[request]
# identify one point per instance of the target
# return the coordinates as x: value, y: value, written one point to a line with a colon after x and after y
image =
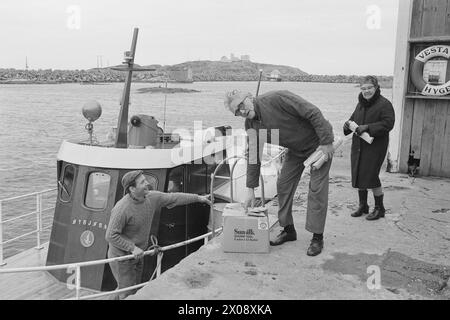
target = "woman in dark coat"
x: 374, y: 114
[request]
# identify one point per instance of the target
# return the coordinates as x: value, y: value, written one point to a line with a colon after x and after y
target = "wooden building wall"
x: 425, y: 133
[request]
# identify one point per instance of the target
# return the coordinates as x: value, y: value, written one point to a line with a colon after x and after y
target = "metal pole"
x: 122, y: 124
x: 231, y: 187
x: 78, y: 282
x: 262, y: 180
x: 231, y: 178
x: 213, y: 233
x: 259, y: 81
x: 38, y: 220
x: 213, y: 175
x: 164, y: 121
x: 2, y: 263
x: 211, y: 208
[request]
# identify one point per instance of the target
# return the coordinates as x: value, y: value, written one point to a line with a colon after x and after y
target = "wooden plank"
x: 414, y: 50
x: 427, y: 137
x: 445, y: 168
x: 29, y: 258
x: 405, y: 143
x: 399, y: 86
x: 430, y: 39
x: 36, y: 285
x: 53, y: 292
x: 416, y: 19
x: 434, y: 18
x: 430, y: 132
x: 417, y: 127
x: 428, y: 17
x: 23, y: 285
x: 11, y: 285
x: 447, y: 20
x: 439, y: 17
x: 40, y: 291
x: 446, y: 31
x: 439, y: 131
x: 411, y: 96
x: 33, y: 285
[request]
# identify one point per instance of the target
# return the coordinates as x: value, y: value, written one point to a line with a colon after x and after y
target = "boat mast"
x: 122, y: 123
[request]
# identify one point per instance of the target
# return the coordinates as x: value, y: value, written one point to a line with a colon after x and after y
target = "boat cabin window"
x: 197, y: 178
x: 66, y: 183
x: 175, y: 180
x: 152, y: 180
x: 97, y: 190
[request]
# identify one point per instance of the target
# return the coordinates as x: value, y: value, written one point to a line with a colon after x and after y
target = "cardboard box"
x: 243, y: 233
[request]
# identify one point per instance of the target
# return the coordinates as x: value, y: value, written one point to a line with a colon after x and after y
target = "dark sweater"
x: 130, y: 221
x: 302, y: 127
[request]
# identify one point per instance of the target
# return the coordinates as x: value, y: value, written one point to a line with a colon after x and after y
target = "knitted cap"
x: 129, y: 177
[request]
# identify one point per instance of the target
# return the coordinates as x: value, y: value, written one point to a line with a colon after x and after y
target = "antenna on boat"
x: 164, y: 118
x: 122, y: 123
x: 259, y: 81
x: 262, y: 180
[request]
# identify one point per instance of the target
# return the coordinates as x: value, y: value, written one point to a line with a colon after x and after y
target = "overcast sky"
x: 317, y: 36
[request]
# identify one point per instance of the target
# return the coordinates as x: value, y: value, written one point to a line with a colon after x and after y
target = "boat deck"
x: 37, y: 285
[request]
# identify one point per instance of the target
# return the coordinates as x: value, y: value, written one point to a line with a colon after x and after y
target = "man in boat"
x: 129, y: 226
x: 302, y: 129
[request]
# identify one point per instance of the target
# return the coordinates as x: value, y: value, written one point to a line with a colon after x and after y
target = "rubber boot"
x: 379, y: 210
x: 363, y: 207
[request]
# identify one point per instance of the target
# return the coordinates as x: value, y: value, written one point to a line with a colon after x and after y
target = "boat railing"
x: 213, y: 176
x: 38, y: 212
x: 78, y: 265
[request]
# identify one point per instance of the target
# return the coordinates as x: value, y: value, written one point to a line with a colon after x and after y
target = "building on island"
x: 180, y: 75
x: 275, y: 75
x: 233, y: 58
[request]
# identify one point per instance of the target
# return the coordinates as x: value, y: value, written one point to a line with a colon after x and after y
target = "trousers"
x: 287, y: 183
x: 127, y: 273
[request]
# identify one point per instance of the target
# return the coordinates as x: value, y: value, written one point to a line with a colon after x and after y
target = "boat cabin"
x: 89, y: 185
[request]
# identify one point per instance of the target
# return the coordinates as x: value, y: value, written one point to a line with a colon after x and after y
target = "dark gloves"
x: 346, y: 128
x: 362, y: 128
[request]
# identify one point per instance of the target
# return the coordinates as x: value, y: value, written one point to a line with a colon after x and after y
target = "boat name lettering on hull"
x: 84, y: 222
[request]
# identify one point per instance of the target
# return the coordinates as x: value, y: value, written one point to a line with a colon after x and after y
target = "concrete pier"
x: 405, y: 255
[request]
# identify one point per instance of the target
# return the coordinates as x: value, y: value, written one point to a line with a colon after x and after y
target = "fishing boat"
x: 73, y: 263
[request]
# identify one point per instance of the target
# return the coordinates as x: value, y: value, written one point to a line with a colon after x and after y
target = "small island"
x: 186, y: 72
x: 165, y: 90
